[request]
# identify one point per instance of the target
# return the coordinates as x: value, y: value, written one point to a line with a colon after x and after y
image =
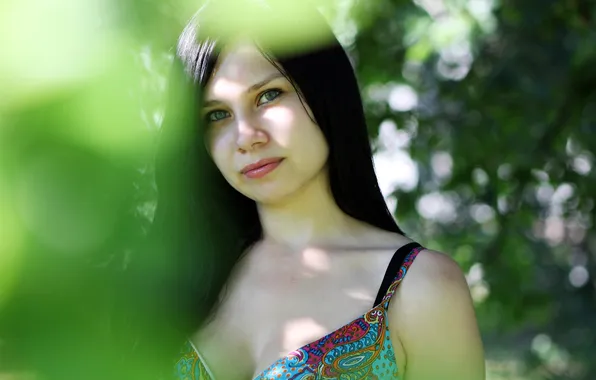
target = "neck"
x: 310, y: 217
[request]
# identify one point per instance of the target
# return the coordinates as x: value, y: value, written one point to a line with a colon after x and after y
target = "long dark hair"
x: 202, y: 223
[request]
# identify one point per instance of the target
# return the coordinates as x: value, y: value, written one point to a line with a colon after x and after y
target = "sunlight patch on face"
x: 316, y: 260
x: 283, y: 119
x: 299, y: 332
x: 224, y: 88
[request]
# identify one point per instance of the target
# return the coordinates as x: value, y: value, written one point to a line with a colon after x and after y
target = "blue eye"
x: 216, y: 115
x: 269, y: 96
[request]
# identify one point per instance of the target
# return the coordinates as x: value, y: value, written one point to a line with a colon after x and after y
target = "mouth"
x: 261, y: 168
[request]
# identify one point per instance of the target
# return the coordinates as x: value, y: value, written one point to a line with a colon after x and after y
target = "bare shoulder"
x: 433, y: 282
x: 433, y: 268
x: 433, y: 315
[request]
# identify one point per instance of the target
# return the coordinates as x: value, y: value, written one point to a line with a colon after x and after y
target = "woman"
x: 298, y: 240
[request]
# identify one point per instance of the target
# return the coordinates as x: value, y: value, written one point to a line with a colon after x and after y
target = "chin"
x: 268, y: 199
x: 270, y: 195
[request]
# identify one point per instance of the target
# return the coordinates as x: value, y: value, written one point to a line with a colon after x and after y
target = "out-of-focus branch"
x: 581, y: 87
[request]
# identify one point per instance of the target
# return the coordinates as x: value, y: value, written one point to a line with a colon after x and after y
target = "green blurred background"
x: 483, y: 118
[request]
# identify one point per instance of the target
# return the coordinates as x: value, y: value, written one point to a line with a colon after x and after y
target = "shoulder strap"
x: 402, y: 258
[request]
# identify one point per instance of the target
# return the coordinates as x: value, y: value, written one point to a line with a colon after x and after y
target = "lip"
x: 262, y: 167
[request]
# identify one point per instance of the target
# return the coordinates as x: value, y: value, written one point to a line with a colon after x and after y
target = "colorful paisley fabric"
x: 361, y: 349
x: 190, y: 366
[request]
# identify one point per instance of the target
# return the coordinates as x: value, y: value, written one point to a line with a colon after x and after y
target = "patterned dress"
x: 361, y: 349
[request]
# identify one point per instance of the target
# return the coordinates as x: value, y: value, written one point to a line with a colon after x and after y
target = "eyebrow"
x: 255, y: 87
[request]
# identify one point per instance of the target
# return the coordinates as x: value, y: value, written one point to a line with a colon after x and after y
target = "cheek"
x: 281, y: 116
x: 317, y: 148
x: 220, y: 151
x: 309, y: 135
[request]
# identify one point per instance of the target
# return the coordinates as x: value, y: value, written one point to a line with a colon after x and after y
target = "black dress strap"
x: 393, y: 269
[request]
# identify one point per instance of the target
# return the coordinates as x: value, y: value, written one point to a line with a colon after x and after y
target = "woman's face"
x: 255, y: 117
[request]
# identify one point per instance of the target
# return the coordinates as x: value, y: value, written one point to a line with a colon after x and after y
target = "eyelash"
x: 277, y: 90
x: 279, y: 93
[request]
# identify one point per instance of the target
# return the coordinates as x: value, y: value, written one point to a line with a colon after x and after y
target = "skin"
x: 321, y: 265
x: 295, y: 204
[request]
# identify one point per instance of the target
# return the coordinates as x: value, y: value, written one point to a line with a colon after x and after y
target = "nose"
x: 250, y: 136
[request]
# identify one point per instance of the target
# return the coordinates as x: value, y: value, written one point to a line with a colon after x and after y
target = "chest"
x: 276, y: 307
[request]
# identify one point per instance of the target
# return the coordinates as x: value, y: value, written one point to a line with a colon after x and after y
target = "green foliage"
x: 508, y: 98
x: 493, y: 101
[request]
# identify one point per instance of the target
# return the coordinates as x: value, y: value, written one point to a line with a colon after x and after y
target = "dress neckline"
x: 401, y: 259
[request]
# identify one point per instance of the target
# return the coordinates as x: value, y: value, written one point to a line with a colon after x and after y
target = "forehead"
x: 241, y: 63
